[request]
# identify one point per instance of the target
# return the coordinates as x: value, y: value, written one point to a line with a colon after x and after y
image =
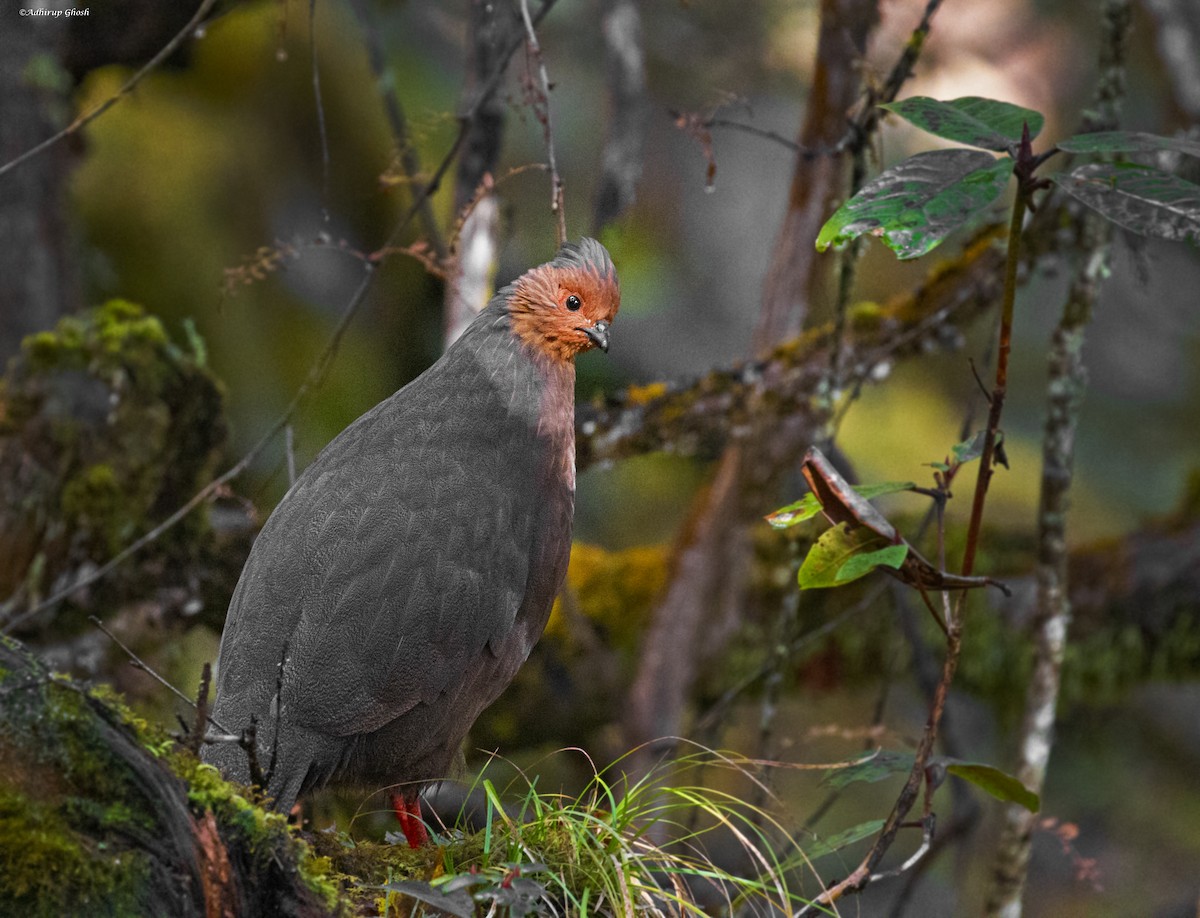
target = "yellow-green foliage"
x: 615, y: 591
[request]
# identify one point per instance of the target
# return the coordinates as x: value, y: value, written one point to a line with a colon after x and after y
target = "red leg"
x: 408, y: 811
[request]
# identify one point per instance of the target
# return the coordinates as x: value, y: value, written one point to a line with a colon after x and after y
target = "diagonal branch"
x: 397, y: 122
x: 126, y: 88
x: 701, y: 416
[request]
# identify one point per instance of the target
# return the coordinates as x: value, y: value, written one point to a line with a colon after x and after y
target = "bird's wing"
x: 401, y: 553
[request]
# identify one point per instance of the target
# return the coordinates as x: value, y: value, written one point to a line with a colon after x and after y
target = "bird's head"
x: 564, y: 307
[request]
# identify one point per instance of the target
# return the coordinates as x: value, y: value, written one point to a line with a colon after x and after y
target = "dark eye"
x: 573, y: 302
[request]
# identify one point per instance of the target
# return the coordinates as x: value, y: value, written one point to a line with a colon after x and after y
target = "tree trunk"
x: 38, y: 280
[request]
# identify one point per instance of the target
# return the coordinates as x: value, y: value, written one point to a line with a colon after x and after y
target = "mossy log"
x: 100, y: 815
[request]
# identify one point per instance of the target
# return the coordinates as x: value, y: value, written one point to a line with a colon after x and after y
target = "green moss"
x: 48, y: 869
x: 116, y: 331
x: 67, y: 806
x: 152, y: 737
x: 248, y: 825
x: 107, y: 425
x: 94, y: 497
x: 69, y: 798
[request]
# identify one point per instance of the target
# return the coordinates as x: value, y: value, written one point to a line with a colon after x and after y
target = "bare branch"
x: 541, y: 108
x: 126, y: 88
x: 701, y: 416
x: 141, y: 664
x: 397, y: 122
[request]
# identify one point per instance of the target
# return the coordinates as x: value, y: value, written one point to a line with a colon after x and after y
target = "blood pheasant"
x: 404, y: 578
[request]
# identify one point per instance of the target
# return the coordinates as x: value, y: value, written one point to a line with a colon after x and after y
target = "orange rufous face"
x: 561, y: 312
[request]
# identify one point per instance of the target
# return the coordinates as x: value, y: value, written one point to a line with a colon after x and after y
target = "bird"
x: 404, y: 578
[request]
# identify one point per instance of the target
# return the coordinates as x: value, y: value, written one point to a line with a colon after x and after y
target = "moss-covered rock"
x: 106, y: 427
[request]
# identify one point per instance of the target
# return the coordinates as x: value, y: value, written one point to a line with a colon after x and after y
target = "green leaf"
x: 969, y: 449
x: 861, y: 565
x: 883, y: 764
x: 1141, y: 199
x: 808, y: 506
x: 886, y: 487
x: 819, y: 847
x: 972, y: 120
x: 804, y: 509
x: 831, y: 552
x: 915, y: 205
x: 1127, y: 142
x: 999, y: 784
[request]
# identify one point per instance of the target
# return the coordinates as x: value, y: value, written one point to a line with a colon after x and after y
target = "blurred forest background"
x: 243, y: 192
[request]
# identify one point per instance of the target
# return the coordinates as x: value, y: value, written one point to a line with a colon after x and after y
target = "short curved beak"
x: 597, y: 334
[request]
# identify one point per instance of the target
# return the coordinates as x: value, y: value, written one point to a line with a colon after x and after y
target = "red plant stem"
x: 1001, y: 387
x: 865, y: 872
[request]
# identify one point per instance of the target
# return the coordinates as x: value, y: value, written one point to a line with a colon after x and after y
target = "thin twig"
x: 865, y: 872
x: 141, y: 664
x: 543, y: 115
x: 1000, y: 390
x: 321, y: 129
x: 765, y: 134
x: 397, y: 122
x: 860, y: 128
x: 200, y: 725
x: 126, y: 88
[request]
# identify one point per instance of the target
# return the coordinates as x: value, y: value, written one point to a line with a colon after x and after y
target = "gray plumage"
x: 406, y: 575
